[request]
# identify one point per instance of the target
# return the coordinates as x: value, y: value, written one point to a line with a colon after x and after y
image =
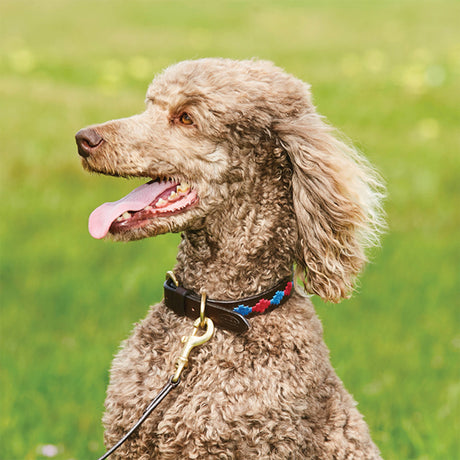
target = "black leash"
x: 152, y: 406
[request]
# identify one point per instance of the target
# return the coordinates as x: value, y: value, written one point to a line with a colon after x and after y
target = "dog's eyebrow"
x: 157, y: 101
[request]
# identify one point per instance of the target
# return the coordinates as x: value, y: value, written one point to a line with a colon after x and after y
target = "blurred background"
x: 384, y: 72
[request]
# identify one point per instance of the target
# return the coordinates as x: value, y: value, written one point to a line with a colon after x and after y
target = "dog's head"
x: 210, y: 127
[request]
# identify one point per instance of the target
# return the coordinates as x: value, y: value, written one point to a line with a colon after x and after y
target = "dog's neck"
x: 243, y: 249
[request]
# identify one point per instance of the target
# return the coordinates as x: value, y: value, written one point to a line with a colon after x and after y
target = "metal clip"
x: 191, y: 342
x: 202, y: 309
x: 171, y: 276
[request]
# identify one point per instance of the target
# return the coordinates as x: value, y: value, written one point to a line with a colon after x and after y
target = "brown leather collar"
x: 187, y: 303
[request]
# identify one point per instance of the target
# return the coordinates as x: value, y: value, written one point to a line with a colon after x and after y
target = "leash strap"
x: 151, y: 407
x: 190, y: 342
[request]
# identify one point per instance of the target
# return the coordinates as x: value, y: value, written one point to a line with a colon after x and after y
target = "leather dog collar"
x: 227, y: 314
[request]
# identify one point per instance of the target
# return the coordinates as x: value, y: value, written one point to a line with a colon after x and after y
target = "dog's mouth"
x: 152, y: 200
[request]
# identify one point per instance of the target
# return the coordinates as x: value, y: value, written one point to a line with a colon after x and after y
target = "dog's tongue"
x: 102, y: 217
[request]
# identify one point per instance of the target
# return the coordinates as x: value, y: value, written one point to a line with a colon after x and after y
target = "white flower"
x: 49, y: 450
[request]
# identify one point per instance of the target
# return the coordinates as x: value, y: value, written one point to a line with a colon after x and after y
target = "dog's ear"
x: 337, y: 201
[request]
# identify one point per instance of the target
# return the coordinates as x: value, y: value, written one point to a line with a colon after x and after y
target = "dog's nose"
x: 87, y: 140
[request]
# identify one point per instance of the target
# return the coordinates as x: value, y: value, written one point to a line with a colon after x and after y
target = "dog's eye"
x: 185, y: 119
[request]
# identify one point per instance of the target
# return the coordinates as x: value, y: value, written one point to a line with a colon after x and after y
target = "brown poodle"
x: 242, y: 165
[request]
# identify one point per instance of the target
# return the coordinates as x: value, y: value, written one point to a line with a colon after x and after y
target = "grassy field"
x: 385, y: 72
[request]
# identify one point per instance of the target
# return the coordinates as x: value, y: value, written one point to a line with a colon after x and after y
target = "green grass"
x: 385, y: 72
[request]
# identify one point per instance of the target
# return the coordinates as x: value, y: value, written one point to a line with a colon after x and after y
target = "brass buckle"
x: 191, y: 342
x: 202, y: 309
x: 171, y: 276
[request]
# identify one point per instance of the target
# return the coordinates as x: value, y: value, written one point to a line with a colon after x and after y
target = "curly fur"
x: 277, y: 187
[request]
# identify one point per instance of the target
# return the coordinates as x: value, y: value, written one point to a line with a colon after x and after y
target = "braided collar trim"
x: 264, y: 304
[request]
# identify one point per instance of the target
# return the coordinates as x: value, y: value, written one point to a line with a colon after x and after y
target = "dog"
x: 238, y: 161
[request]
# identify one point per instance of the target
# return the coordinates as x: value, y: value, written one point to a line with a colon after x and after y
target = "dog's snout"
x: 87, y: 140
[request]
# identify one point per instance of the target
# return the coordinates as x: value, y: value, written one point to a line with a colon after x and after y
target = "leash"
x: 190, y: 342
x: 166, y: 389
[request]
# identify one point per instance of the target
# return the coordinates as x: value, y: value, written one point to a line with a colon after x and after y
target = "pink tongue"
x: 102, y: 217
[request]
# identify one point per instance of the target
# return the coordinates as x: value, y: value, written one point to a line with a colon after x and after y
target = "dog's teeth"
x: 119, y: 219
x: 173, y: 197
x: 183, y: 188
x: 126, y: 215
x: 148, y: 208
x: 161, y: 203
